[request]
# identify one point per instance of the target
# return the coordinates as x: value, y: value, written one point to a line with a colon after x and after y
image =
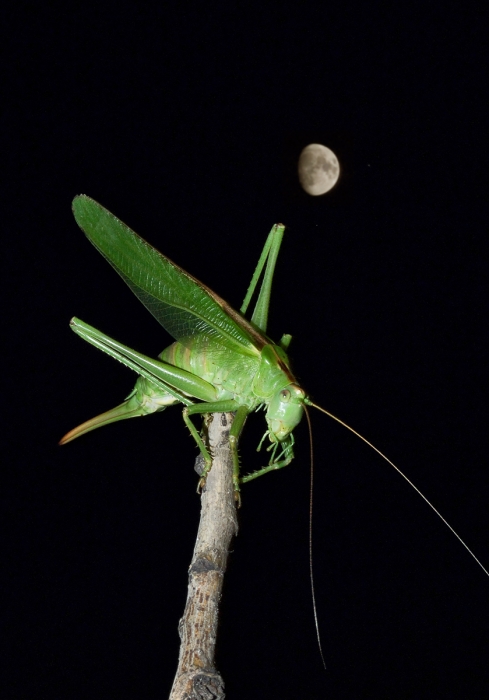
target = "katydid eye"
x: 285, y: 394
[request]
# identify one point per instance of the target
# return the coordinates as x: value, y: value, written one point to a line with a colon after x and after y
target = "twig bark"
x: 197, y: 677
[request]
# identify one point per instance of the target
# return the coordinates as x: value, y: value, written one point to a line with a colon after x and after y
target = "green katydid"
x: 219, y: 357
x: 224, y: 361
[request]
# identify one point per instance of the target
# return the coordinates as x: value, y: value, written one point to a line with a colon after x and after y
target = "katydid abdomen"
x: 231, y: 375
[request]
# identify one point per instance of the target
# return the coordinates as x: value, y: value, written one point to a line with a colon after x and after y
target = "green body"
x: 220, y: 362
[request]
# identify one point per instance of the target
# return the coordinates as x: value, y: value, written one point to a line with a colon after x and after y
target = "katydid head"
x: 285, y: 412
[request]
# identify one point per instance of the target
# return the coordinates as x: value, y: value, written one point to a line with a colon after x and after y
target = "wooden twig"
x: 197, y: 677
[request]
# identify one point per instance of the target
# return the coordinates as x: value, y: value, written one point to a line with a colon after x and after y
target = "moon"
x: 319, y: 169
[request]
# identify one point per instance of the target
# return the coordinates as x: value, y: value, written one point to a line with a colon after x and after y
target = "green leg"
x: 201, y: 445
x: 289, y: 456
x: 269, y: 256
x: 218, y: 407
x: 234, y: 433
x: 178, y: 382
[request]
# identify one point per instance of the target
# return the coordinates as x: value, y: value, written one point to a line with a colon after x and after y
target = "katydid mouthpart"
x: 220, y: 361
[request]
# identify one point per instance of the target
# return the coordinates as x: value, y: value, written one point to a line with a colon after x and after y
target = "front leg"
x: 229, y: 406
x: 287, y: 454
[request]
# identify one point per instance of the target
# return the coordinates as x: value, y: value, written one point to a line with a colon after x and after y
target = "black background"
x: 186, y: 120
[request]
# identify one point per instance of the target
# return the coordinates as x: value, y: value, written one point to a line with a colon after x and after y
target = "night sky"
x: 186, y: 120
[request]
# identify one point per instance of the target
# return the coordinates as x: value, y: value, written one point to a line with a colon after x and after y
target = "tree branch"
x: 197, y: 677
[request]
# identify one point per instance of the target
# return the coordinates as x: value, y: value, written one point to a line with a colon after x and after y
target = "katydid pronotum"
x: 224, y: 361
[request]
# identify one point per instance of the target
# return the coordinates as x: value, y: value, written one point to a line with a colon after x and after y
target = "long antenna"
x: 311, y: 575
x: 345, y: 425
